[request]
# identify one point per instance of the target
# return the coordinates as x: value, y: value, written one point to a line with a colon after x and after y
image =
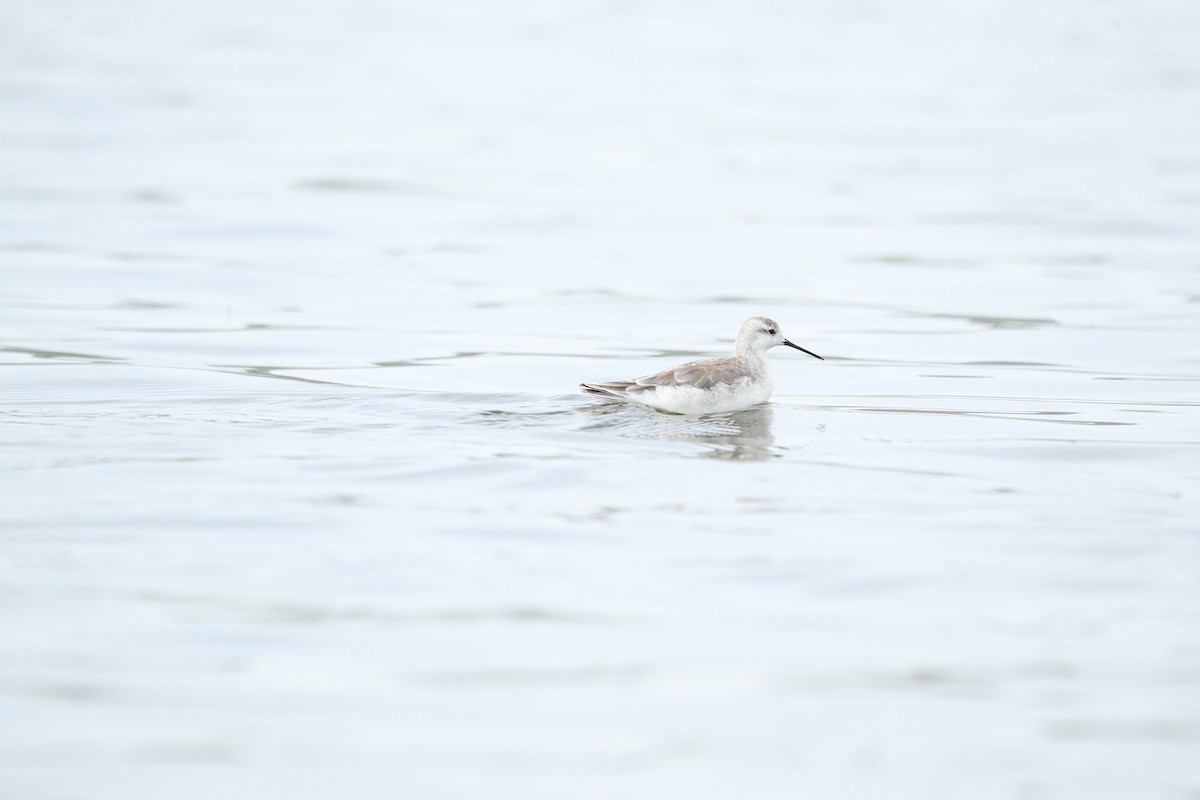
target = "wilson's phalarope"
x: 711, y: 385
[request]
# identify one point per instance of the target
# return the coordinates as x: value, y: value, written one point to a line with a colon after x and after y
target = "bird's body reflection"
x: 751, y: 437
x: 736, y: 436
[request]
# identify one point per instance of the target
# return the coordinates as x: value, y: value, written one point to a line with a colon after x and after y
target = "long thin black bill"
x: 801, y: 349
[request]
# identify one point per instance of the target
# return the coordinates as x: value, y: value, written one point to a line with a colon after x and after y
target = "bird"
x: 710, y: 385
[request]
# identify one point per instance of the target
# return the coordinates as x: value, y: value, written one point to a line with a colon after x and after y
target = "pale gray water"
x: 299, y: 499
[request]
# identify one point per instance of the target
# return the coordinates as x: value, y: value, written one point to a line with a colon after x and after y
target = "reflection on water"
x: 736, y: 436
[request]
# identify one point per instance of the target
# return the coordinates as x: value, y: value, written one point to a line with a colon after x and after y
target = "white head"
x: 760, y: 334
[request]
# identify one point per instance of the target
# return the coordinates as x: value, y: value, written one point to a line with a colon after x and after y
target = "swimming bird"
x: 710, y: 385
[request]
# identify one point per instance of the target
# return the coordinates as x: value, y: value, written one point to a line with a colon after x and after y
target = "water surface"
x: 300, y: 499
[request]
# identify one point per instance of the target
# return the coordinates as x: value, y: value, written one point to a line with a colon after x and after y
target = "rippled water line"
x: 1015, y: 399
x: 1024, y: 416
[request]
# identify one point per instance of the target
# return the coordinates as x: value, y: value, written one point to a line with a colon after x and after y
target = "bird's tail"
x: 609, y: 391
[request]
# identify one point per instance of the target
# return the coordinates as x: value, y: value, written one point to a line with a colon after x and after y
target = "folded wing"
x: 703, y: 374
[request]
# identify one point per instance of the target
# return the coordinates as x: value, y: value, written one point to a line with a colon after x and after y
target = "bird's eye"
x: 771, y: 331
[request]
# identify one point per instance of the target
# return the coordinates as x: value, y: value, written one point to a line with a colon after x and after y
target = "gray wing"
x: 703, y: 374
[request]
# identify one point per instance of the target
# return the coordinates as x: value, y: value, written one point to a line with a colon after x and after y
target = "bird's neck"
x: 748, y: 353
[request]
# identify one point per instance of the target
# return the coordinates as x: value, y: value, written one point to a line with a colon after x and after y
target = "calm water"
x: 299, y: 499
